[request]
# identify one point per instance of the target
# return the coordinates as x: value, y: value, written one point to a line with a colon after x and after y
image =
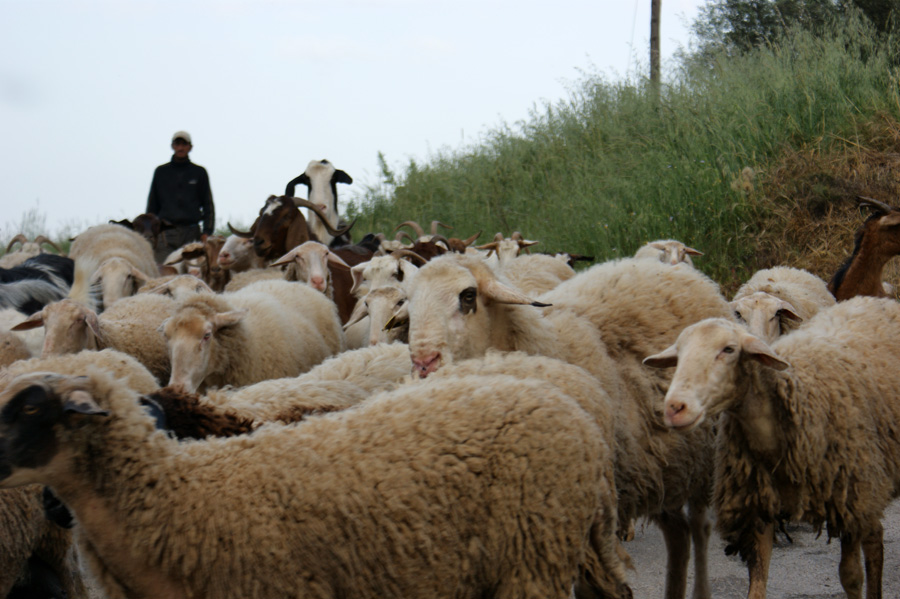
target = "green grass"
x: 610, y: 167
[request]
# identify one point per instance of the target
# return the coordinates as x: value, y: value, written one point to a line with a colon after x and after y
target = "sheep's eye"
x: 30, y: 410
x: 728, y: 349
x: 467, y: 299
x: 738, y: 316
x: 207, y: 336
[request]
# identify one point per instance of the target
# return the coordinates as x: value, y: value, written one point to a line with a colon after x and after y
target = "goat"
x: 876, y: 242
x: 322, y: 178
x: 28, y: 249
x: 149, y: 226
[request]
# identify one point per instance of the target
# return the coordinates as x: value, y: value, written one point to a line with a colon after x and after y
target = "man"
x: 180, y: 194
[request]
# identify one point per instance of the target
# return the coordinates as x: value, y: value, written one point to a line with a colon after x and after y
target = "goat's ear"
x: 124, y: 222
x: 32, y: 322
x: 890, y: 219
x: 302, y: 179
x: 756, y: 349
x: 165, y: 225
x: 229, y: 319
x: 340, y: 176
x: 668, y: 358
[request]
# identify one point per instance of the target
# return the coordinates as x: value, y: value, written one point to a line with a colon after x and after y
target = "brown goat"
x: 281, y: 227
x: 876, y: 242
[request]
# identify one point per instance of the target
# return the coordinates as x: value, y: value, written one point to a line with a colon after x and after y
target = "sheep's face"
x: 709, y: 376
x: 386, y: 322
x: 764, y: 315
x: 453, y: 312
x: 117, y: 278
x: 69, y: 327
x: 191, y: 341
x: 34, y: 408
x: 237, y: 254
x: 181, y: 288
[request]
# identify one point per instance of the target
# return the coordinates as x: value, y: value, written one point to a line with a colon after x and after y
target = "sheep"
x: 36, y: 282
x: 389, y: 269
x: 808, y: 429
x: 111, y: 262
x: 29, y: 249
x: 266, y: 330
x: 28, y: 537
x: 503, y: 249
x: 668, y: 251
x: 178, y: 287
x: 376, y: 315
x: 243, y: 279
x: 536, y: 274
x: 280, y: 512
x: 603, y: 320
x: 237, y: 255
x: 12, y: 348
x: 34, y: 339
x: 321, y: 178
x: 774, y: 300
x: 130, y: 326
x: 205, y: 255
x: 876, y: 242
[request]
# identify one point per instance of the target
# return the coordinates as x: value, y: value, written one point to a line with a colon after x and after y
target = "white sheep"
x: 808, y: 429
x: 269, y: 329
x: 668, y: 251
x: 535, y: 274
x: 774, y: 300
x: 374, y: 318
x: 34, y: 339
x: 280, y: 512
x: 112, y: 260
x: 178, y: 287
x: 237, y: 255
x: 602, y: 320
x: 130, y: 325
x: 316, y: 265
x: 12, y: 348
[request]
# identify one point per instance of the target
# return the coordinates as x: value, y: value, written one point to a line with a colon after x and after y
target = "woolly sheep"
x: 34, y: 339
x: 248, y: 277
x: 12, y: 348
x: 411, y: 471
x: 319, y: 267
x: 24, y: 528
x: 376, y: 317
x: 808, y: 429
x: 237, y: 255
x: 178, y: 287
x: 535, y: 274
x: 668, y: 251
x: 269, y: 329
x: 112, y: 258
x: 130, y: 325
x: 603, y: 321
x: 774, y: 300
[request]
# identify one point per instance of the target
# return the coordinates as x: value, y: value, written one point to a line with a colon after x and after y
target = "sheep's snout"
x: 425, y: 366
x: 317, y: 283
x: 677, y: 415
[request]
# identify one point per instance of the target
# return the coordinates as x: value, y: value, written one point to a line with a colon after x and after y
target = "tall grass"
x: 612, y: 166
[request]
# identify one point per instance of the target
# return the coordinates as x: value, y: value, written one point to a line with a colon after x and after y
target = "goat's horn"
x: 401, y: 253
x: 488, y: 246
x: 435, y: 224
x: 242, y: 234
x: 300, y: 202
x: 20, y: 238
x: 875, y: 203
x: 40, y: 239
x: 471, y: 239
x: 516, y: 236
x: 436, y: 238
x: 403, y: 234
x: 415, y: 226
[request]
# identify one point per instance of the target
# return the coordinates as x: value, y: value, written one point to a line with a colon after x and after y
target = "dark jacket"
x: 180, y: 194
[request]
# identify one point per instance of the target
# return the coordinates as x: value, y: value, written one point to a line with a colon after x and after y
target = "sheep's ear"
x: 356, y: 273
x: 360, y: 311
x: 668, y: 358
x: 80, y: 402
x: 787, y: 312
x: 90, y: 319
x: 139, y: 277
x: 756, y: 349
x: 340, y: 176
x: 692, y: 251
x: 229, y: 319
x: 335, y: 259
x: 32, y: 322
x: 504, y: 294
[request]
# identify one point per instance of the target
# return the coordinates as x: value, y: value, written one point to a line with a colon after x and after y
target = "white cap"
x: 183, y: 135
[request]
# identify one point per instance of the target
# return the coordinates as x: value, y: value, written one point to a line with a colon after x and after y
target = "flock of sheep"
x: 285, y: 414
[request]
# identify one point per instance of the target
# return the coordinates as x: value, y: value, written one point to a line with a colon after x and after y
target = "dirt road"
x: 807, y: 569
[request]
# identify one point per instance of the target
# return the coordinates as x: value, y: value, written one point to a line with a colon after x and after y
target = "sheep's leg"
x: 700, y: 530
x: 873, y: 550
x: 676, y: 533
x: 758, y: 560
x: 851, y: 567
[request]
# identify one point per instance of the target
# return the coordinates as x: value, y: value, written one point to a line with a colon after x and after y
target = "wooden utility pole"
x: 655, y: 7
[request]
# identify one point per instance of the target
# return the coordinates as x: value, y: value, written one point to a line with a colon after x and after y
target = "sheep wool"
x: 406, y: 495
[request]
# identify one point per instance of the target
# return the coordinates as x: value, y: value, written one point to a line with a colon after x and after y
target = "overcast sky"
x: 91, y: 91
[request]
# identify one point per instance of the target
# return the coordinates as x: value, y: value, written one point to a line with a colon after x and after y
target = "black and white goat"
x: 322, y: 178
x: 38, y: 281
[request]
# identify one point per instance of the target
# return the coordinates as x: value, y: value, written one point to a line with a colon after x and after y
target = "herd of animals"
x: 424, y: 417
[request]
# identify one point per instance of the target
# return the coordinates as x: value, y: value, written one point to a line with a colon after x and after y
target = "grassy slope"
x: 610, y: 168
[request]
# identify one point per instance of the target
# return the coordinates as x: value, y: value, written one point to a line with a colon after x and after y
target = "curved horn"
x: 864, y: 201
x: 300, y: 202
x: 399, y: 236
x: 435, y: 224
x: 435, y: 238
x: 20, y: 238
x: 516, y: 236
x: 40, y: 239
x: 415, y: 227
x: 492, y: 246
x: 401, y: 253
x: 241, y: 234
x: 471, y: 240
